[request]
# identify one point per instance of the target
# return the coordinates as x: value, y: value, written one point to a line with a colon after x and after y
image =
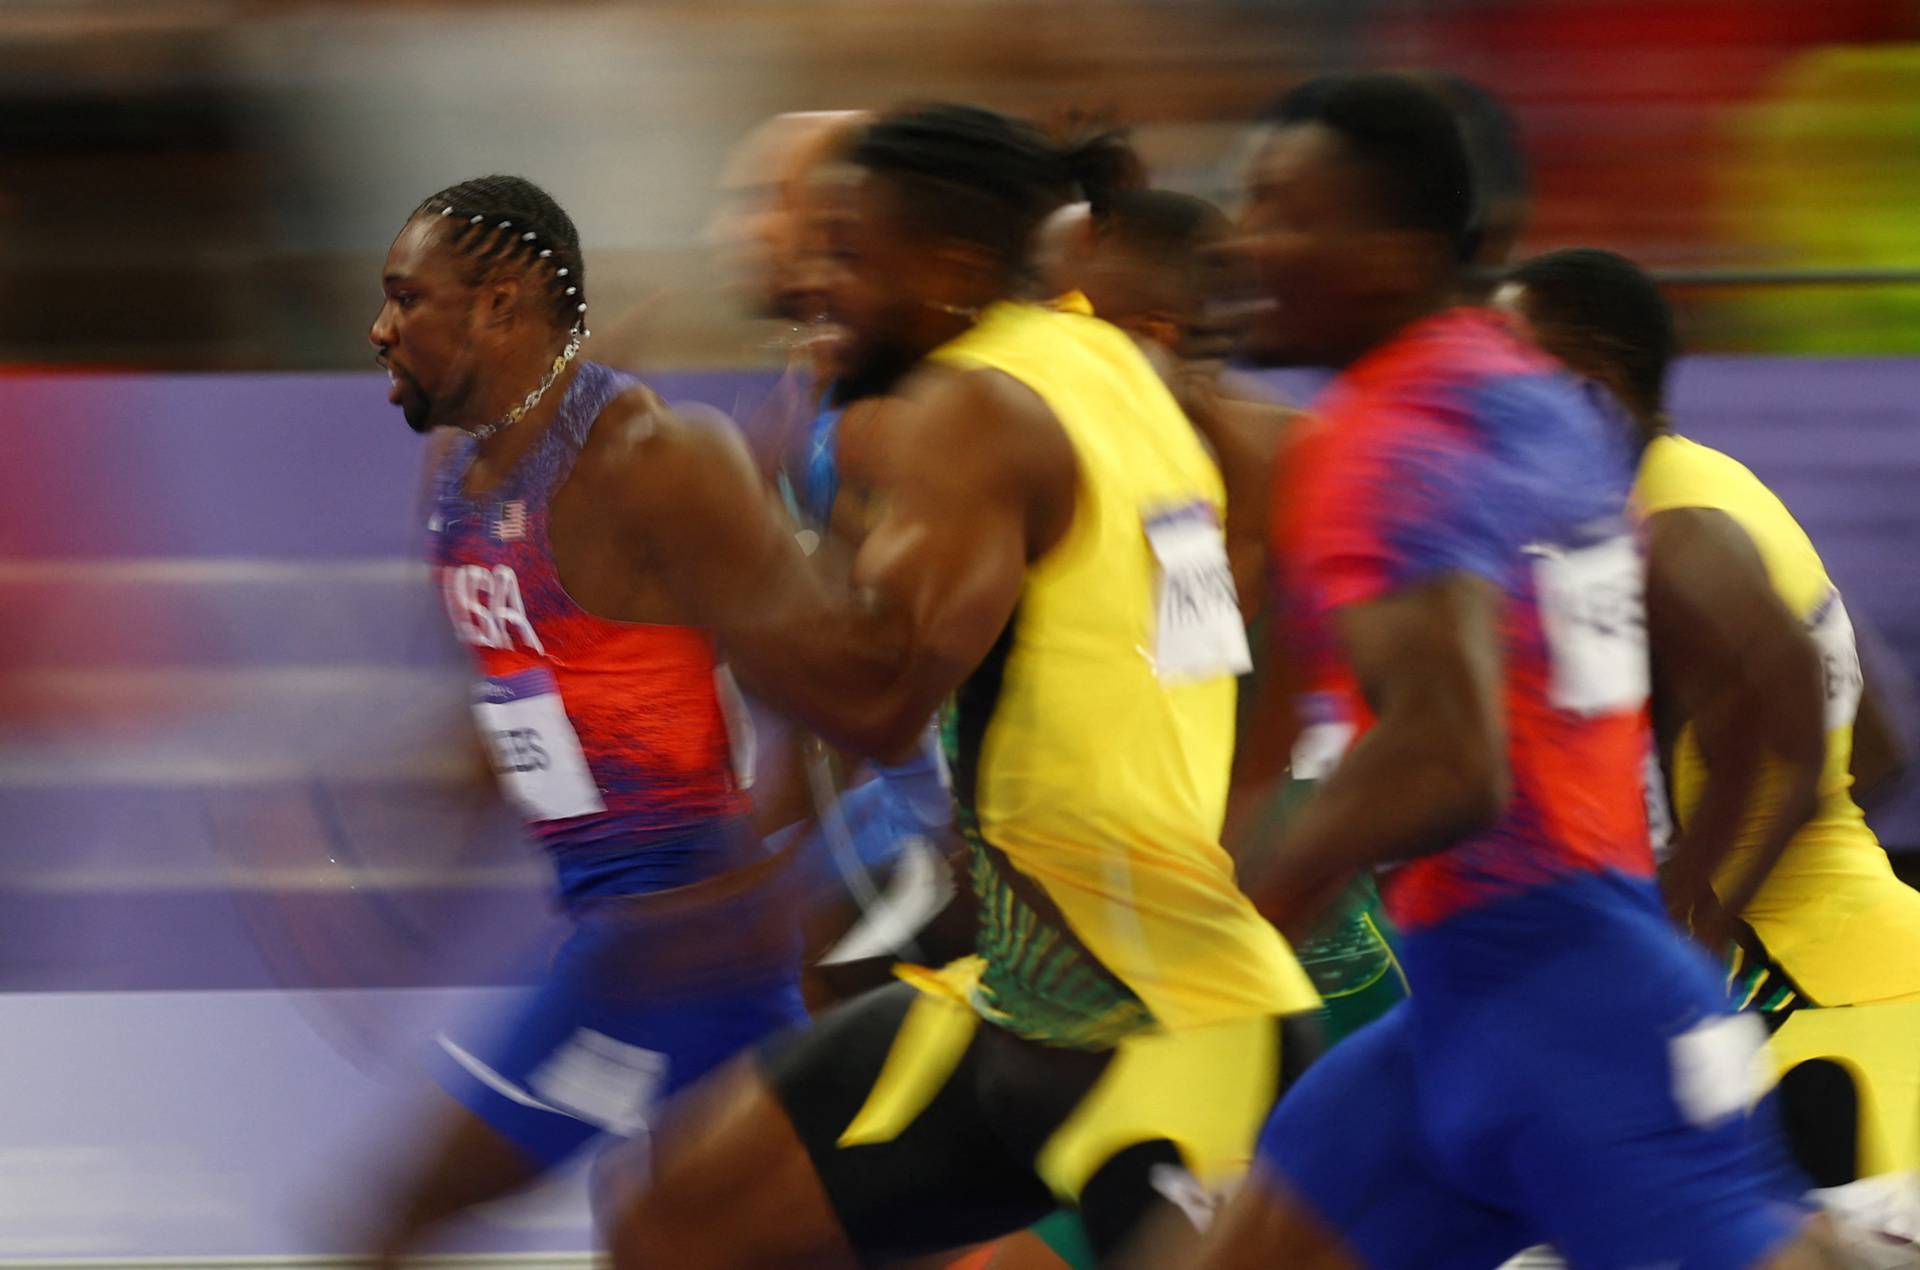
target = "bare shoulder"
x: 643, y: 449
x: 975, y: 439
x: 985, y: 421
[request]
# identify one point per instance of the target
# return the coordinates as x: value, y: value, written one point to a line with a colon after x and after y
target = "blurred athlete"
x: 1453, y: 546
x: 605, y: 707
x: 825, y: 449
x: 1153, y: 262
x: 1050, y: 550
x: 1806, y: 895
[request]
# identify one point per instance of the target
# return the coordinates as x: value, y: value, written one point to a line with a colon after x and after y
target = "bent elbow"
x: 881, y: 732
x: 1479, y: 782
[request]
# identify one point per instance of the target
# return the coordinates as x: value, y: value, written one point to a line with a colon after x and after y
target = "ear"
x: 963, y: 272
x: 500, y: 300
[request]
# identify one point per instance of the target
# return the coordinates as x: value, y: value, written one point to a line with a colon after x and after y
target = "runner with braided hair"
x: 556, y: 519
x: 1049, y: 555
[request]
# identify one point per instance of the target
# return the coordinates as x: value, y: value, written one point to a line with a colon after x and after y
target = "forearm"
x: 839, y: 668
x: 1762, y: 783
x: 1397, y: 795
x: 1763, y: 750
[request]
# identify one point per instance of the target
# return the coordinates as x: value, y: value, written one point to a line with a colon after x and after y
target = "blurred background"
x: 246, y: 863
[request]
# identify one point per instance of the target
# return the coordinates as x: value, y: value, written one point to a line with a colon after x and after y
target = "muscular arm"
x: 1432, y: 769
x: 983, y: 483
x: 1263, y: 756
x: 1729, y: 659
x: 981, y: 468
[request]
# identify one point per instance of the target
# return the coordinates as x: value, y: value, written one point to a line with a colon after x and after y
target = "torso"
x: 1095, y: 741
x: 1456, y: 449
x: 1831, y: 912
x: 607, y: 720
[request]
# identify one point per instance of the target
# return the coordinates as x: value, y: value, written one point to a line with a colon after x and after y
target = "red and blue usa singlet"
x: 1457, y: 448
x: 612, y: 738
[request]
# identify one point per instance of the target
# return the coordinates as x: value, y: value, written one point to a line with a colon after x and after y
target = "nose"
x: 381, y: 333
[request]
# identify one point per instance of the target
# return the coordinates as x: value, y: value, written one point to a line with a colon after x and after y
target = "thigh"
x: 729, y: 1184
x: 584, y: 1057
x: 1266, y: 1225
x: 1346, y: 1147
x: 1877, y: 1049
x: 1169, y: 1123
x: 884, y: 1096
x: 562, y: 1072
x: 1638, y: 1140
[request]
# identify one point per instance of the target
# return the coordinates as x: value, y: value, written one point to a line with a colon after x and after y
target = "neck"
x: 943, y: 326
x: 507, y: 389
x: 1396, y: 316
x: 1650, y: 427
x: 880, y: 374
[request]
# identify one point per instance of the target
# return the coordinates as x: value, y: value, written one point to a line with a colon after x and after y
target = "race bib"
x: 1659, y: 811
x: 1198, y: 632
x: 1593, y: 611
x: 536, y: 752
x: 1325, y: 734
x: 1832, y: 632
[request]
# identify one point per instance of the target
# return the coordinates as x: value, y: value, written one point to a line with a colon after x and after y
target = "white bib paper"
x: 1659, y: 812
x: 1832, y: 632
x: 536, y: 752
x: 1326, y: 733
x: 1198, y: 632
x: 1593, y: 611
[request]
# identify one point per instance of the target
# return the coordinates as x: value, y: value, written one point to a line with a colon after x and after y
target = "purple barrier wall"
x: 224, y: 676
x: 235, y: 763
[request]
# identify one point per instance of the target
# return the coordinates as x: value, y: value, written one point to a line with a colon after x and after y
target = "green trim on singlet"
x: 1353, y: 956
x: 1756, y: 982
x: 1039, y: 982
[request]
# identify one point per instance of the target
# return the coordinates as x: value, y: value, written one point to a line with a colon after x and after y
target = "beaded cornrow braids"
x: 498, y: 222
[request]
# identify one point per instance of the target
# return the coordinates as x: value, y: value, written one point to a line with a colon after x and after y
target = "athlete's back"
x: 1831, y: 911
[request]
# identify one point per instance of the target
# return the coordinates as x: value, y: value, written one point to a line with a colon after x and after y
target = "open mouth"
x: 396, y: 386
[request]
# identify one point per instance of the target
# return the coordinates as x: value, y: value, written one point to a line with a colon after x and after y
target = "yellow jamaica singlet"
x: 1093, y: 746
x: 1832, y: 914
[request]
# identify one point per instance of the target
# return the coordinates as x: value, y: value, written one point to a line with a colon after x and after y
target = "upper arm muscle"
x: 1714, y: 620
x: 982, y: 483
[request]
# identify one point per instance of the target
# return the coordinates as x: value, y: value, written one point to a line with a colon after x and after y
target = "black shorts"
x: 936, y: 1131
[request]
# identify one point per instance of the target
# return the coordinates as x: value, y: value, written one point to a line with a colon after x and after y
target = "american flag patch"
x: 513, y: 520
